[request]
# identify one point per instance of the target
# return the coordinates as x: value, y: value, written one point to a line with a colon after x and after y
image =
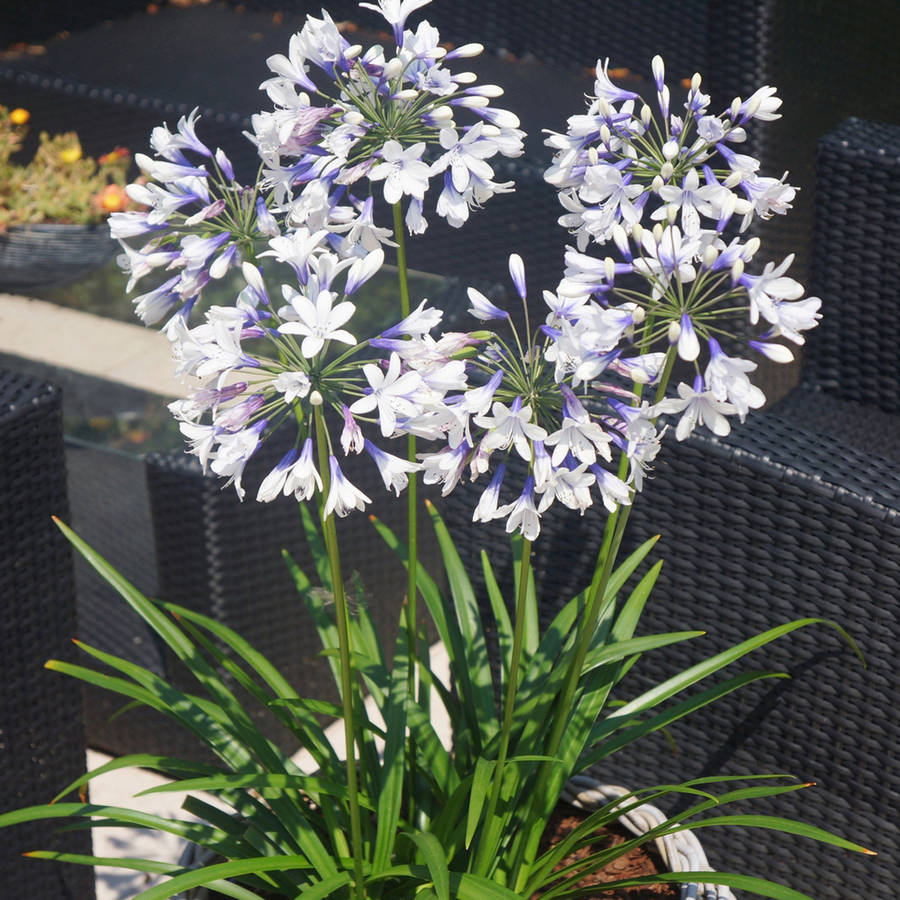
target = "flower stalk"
x: 348, y: 680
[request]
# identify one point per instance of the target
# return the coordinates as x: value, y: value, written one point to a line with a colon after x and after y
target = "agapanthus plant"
x: 410, y: 817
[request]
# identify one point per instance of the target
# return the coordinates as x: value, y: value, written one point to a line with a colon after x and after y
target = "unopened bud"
x: 637, y: 231
x: 316, y: 399
x: 353, y: 52
x: 609, y: 268
x: 735, y: 110
x: 465, y: 78
x: 638, y: 315
x: 487, y: 130
x: 621, y: 240
x: 467, y: 51
x: 695, y: 82
x: 442, y: 114
x: 670, y: 149
x: 733, y: 180
x: 666, y: 170
x: 353, y: 117
x: 437, y: 52
x: 657, y: 232
x: 593, y: 155
x: 473, y: 102
x: 737, y: 269
x: 752, y: 107
x: 674, y: 332
x: 658, y: 69
x: 605, y: 133
x: 750, y: 248
x: 604, y: 108
x: 710, y: 255
x: 646, y: 114
x: 392, y: 68
x: 407, y: 94
x: 656, y: 184
x: 671, y: 213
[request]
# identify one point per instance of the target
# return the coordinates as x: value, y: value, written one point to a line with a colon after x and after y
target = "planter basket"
x: 41, y: 256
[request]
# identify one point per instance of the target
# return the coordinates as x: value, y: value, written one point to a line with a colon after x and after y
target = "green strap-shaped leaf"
x: 169, y: 765
x: 435, y: 861
x: 473, y: 666
x: 393, y: 770
x: 701, y: 670
x: 151, y: 866
x: 501, y: 616
x: 786, y: 826
x: 208, y: 874
x: 666, y: 717
x: 481, y: 783
x: 197, y: 832
x: 280, y: 781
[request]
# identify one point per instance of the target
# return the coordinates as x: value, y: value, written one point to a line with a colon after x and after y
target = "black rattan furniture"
x: 41, y: 730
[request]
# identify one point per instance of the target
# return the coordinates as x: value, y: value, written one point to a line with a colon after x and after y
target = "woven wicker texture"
x: 39, y: 256
x: 772, y: 525
x: 853, y: 353
x: 41, y: 732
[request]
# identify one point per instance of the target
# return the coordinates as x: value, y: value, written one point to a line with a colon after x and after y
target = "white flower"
x: 572, y: 487
x: 613, y: 490
x: 487, y: 509
x: 579, y: 435
x: 317, y: 321
x: 465, y: 156
x: 343, y: 497
x: 303, y: 479
x: 727, y: 379
x: 273, y: 484
x: 293, y: 385
x: 446, y: 466
x: 234, y: 452
x: 772, y: 285
x: 510, y: 426
x: 351, y: 434
x: 402, y: 171
x: 698, y: 407
x: 201, y: 440
x: 396, y: 12
x: 522, y: 513
x: 391, y: 393
x: 393, y: 470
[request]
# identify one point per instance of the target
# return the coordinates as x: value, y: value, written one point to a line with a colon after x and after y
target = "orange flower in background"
x: 113, y: 155
x: 112, y: 199
x: 19, y: 116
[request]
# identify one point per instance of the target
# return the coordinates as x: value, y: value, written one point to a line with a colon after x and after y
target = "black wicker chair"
x: 41, y: 730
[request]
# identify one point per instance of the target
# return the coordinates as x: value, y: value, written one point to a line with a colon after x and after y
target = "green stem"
x: 512, y: 684
x: 606, y: 558
x: 412, y: 521
x: 342, y: 615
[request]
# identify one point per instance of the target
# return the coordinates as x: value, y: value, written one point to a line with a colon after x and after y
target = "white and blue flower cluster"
x: 567, y: 399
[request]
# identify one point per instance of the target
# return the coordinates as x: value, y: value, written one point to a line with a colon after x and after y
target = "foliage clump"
x: 59, y: 184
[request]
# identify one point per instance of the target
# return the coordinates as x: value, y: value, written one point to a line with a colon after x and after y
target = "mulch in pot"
x: 642, y: 860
